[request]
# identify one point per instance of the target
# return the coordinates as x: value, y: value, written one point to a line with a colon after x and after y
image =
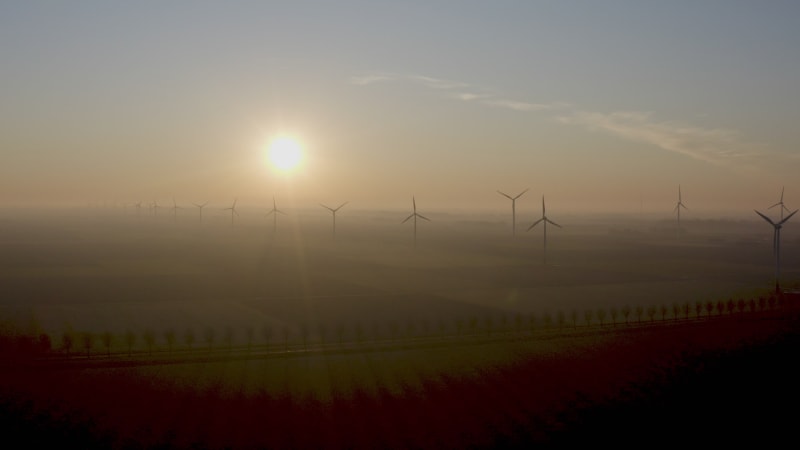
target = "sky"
x: 597, y: 106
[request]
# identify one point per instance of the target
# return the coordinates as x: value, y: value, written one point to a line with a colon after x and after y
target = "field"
x: 465, y: 339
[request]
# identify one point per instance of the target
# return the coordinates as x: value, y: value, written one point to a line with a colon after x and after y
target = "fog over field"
x: 113, y: 269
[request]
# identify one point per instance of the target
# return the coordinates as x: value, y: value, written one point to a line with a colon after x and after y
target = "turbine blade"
x: 326, y: 207
x: 406, y: 220
x: 684, y: 206
x: 414, y: 201
x: 535, y: 223
x: 340, y: 206
x: 553, y: 223
x: 280, y: 212
x: 768, y: 219
x: 788, y: 217
x: 520, y: 194
x: 505, y: 195
x: 423, y: 217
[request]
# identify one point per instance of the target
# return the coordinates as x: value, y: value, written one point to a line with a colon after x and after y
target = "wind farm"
x: 624, y: 314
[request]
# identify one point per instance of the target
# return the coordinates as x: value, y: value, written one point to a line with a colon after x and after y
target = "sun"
x: 285, y: 153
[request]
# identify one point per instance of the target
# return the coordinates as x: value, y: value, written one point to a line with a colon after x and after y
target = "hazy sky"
x: 597, y: 105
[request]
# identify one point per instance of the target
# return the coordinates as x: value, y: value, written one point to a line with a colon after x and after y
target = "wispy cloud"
x: 713, y: 145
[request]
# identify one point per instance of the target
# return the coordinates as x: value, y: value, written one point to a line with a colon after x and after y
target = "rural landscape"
x: 399, y: 225
x: 358, y: 330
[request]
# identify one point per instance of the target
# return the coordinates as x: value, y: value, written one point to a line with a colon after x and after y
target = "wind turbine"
x: 776, y: 244
x: 415, y: 215
x: 274, y: 211
x: 333, y: 211
x: 513, y: 209
x: 780, y: 203
x: 546, y: 221
x: 201, y: 205
x: 175, y: 209
x: 233, y: 210
x: 678, y: 207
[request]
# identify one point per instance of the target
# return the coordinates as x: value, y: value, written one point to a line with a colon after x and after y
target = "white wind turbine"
x: 200, y: 206
x: 333, y: 211
x: 780, y: 203
x: 274, y: 211
x: 513, y: 209
x: 545, y: 220
x: 776, y: 244
x: 678, y: 207
x: 415, y: 215
x: 232, y: 210
x: 175, y: 209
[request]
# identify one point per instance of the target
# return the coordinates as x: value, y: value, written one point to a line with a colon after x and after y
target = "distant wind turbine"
x: 175, y: 209
x: 513, y: 209
x: 780, y: 203
x: 415, y: 215
x: 545, y: 220
x: 232, y: 210
x: 274, y: 211
x: 333, y: 211
x: 201, y: 205
x: 678, y: 207
x: 776, y: 244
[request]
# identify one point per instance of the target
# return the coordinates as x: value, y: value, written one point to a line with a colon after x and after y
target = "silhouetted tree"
x: 189, y: 337
x: 762, y: 303
x: 614, y: 314
x: 639, y: 312
x: 651, y: 312
x: 686, y: 310
x: 249, y: 332
x: 626, y: 312
x: 709, y: 308
x: 532, y: 322
x: 130, y: 340
x: 169, y: 338
x: 149, y: 340
x: 488, y: 322
x: 67, y: 341
x: 87, y: 339
x: 209, y: 336
x: 698, y: 308
x: 676, y: 311
x: 740, y: 305
x: 548, y: 320
x: 664, y: 310
x: 587, y: 316
x: 730, y: 305
x: 107, y: 339
x: 266, y: 333
x: 720, y: 307
x: 751, y: 305
x: 44, y: 344
x: 573, y: 315
x: 772, y: 300
x: 601, y: 315
x: 228, y: 336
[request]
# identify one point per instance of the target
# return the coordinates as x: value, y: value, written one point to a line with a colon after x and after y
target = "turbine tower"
x: 175, y: 209
x: 776, y: 244
x: 415, y: 215
x: 780, y: 203
x: 333, y: 211
x: 274, y: 211
x: 678, y: 207
x: 233, y: 210
x: 545, y: 220
x: 513, y: 209
x: 201, y: 205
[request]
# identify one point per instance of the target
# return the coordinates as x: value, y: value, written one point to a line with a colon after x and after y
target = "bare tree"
x: 730, y: 305
x: 639, y: 312
x: 107, y: 339
x: 698, y: 308
x: 573, y: 315
x: 664, y: 310
x: 676, y: 311
x: 189, y: 337
x: 67, y: 341
x: 626, y: 312
x: 740, y: 305
x: 651, y: 312
x: 687, y: 308
x: 130, y: 340
x: 601, y: 315
x: 709, y: 308
x: 87, y: 339
x: 587, y: 316
x: 561, y: 319
x: 169, y: 338
x: 614, y: 314
x: 149, y: 340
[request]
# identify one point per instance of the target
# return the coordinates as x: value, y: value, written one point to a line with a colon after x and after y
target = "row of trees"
x: 91, y: 344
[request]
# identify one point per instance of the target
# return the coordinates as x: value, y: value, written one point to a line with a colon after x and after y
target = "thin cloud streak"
x: 711, y: 145
x: 715, y: 145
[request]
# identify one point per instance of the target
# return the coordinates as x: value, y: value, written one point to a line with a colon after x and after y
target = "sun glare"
x: 285, y: 153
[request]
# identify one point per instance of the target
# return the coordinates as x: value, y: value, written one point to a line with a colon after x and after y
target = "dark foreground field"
x: 725, y: 380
